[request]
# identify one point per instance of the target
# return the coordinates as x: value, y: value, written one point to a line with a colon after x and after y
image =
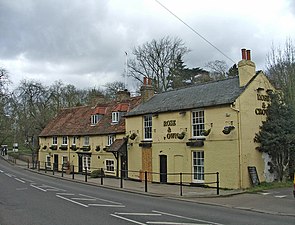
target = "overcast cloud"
x: 83, y: 42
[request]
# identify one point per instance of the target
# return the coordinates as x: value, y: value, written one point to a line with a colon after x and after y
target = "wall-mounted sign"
x: 169, y: 123
x: 264, y: 99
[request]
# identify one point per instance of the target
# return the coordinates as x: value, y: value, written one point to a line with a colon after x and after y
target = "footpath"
x: 238, y: 199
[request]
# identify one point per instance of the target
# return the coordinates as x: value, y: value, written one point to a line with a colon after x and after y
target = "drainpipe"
x: 239, y: 144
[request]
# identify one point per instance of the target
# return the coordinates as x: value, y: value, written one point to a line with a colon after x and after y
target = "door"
x: 55, y: 160
x: 163, y: 168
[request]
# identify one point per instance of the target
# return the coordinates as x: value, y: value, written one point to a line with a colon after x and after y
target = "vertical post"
x: 180, y: 181
x: 145, y: 181
x: 121, y: 179
x: 38, y: 165
x: 62, y: 170
x: 45, y: 167
x: 28, y: 161
x: 217, y: 182
x: 73, y: 172
x: 101, y: 176
x: 85, y: 173
x: 53, y: 164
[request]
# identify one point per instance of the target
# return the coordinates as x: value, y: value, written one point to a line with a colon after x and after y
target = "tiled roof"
x: 197, y: 96
x: 77, y: 120
x: 117, y: 145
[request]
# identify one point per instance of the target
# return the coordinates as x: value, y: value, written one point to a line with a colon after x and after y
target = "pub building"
x: 201, y: 129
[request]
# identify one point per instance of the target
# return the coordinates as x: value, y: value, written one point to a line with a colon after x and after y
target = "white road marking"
x: 20, y: 180
x: 129, y: 220
x: 265, y: 193
x: 102, y: 205
x: 21, y: 189
x: 84, y: 199
x: 184, y: 217
x: 7, y: 174
x: 30, y: 181
x: 174, y: 223
x: 70, y: 200
x: 64, y: 194
x: 1, y: 171
x: 37, y: 188
x: 281, y: 196
x: 139, y: 214
x: 101, y: 199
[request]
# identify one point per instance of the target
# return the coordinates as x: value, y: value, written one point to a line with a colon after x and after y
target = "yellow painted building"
x: 201, y: 129
x: 88, y: 137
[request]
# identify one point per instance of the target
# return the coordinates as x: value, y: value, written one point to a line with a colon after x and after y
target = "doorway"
x: 163, y: 168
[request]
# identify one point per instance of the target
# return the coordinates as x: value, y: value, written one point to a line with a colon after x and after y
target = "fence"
x: 145, y: 177
x: 122, y: 178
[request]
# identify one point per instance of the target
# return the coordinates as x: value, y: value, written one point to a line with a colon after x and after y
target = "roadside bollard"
x: 62, y: 171
x: 101, y: 176
x: 145, y: 181
x: 217, y: 183
x: 38, y: 165
x: 180, y: 181
x: 73, y: 172
x: 121, y: 179
x: 45, y: 167
x: 28, y: 164
x: 85, y: 174
x: 53, y: 164
x: 294, y: 186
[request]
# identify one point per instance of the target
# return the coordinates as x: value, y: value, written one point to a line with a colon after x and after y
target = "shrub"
x: 96, y: 174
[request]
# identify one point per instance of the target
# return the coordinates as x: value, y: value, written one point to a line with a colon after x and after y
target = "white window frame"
x: 198, y: 158
x: 86, y: 140
x: 48, y: 162
x: 74, y: 140
x: 115, y: 117
x: 94, y: 119
x: 111, y: 139
x: 64, y: 140
x: 198, y: 123
x: 110, y: 165
x: 65, y: 160
x: 148, y: 127
x: 54, y: 140
x: 86, y: 162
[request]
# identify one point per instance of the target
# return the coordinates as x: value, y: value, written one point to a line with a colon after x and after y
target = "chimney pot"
x: 243, y: 53
x: 248, y: 55
x: 149, y: 81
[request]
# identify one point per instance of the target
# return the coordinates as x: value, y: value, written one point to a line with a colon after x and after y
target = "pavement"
x: 263, y: 202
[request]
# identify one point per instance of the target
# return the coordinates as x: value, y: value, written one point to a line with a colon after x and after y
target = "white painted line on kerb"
x: 188, y: 218
x: 139, y: 214
x: 265, y: 193
x: 129, y: 220
x: 20, y: 180
x: 7, y: 174
x: 70, y: 200
x: 37, y: 188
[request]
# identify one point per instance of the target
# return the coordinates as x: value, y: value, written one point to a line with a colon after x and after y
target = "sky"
x: 84, y: 42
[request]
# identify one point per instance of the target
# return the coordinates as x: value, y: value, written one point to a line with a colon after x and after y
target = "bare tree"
x: 281, y: 69
x: 112, y: 88
x: 218, y: 69
x: 155, y: 59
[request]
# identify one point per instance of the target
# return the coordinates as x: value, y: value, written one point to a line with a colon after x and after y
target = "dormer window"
x: 115, y: 117
x: 95, y: 118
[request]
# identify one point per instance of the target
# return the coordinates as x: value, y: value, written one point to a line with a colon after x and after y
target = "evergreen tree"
x: 233, y: 71
x: 276, y: 137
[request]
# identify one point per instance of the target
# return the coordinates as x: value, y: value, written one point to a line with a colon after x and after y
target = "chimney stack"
x: 122, y: 95
x: 147, y: 90
x: 246, y: 68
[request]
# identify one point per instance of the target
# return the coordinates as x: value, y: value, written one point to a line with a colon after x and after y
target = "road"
x: 30, y: 198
